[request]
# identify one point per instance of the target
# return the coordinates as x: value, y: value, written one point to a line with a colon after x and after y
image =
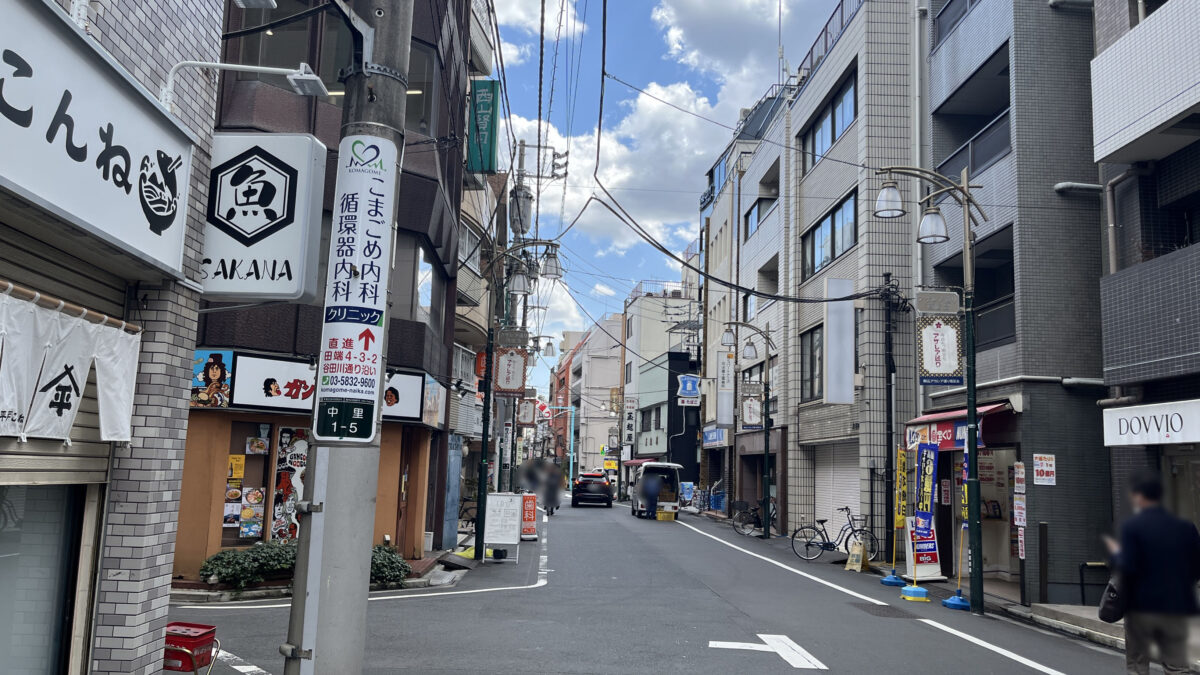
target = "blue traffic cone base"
x: 892, y: 580
x: 957, y: 601
x: 914, y: 594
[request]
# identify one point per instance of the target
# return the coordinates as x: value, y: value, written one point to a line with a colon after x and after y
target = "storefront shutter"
x: 40, y: 266
x: 837, y: 483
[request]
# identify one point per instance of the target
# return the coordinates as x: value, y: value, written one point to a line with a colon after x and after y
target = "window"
x: 832, y: 236
x: 645, y: 420
x: 468, y: 248
x: 995, y: 289
x: 430, y: 288
x: 658, y: 418
x: 419, y: 111
x: 811, y: 362
x: 749, y: 304
x: 831, y: 123
x: 754, y: 216
x: 628, y: 327
x: 629, y: 372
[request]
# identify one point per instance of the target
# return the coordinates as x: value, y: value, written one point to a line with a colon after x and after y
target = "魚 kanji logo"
x: 252, y: 196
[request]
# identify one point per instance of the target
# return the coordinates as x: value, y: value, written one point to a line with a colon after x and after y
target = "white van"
x: 668, y: 495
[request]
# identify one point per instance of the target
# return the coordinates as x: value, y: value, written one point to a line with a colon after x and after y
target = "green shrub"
x: 240, y: 568
x: 277, y: 560
x: 388, y: 566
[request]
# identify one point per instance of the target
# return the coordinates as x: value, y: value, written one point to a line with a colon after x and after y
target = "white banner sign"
x: 510, y: 372
x: 433, y: 403
x: 752, y: 418
x: 59, y: 388
x: 272, y: 383
x: 1155, y: 424
x: 360, y: 244
x: 726, y: 376
x: 839, y: 342
x: 262, y: 234
x: 629, y: 422
x: 1019, y: 477
x: 1019, y: 510
x: 85, y: 143
x: 526, y: 412
x: 939, y: 361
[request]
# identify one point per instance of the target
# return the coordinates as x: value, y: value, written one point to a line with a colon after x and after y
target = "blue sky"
x: 712, y: 57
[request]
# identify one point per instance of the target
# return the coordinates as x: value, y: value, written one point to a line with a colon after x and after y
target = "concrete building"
x: 653, y: 310
x: 1145, y: 109
x: 667, y: 431
x: 89, y: 496
x: 720, y: 211
x: 595, y: 373
x: 1006, y: 101
x: 267, y: 441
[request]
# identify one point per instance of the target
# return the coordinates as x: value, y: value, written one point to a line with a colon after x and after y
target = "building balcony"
x: 1145, y: 102
x: 1150, y: 318
x: 471, y: 287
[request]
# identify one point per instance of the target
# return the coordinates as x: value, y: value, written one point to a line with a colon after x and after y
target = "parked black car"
x: 592, y: 488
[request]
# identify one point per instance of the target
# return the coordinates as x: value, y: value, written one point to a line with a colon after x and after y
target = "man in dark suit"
x: 1159, y: 561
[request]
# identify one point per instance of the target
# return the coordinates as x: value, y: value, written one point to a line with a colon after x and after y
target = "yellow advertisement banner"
x: 901, y: 486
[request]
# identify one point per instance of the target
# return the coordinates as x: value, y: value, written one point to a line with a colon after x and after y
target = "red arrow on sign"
x: 366, y: 336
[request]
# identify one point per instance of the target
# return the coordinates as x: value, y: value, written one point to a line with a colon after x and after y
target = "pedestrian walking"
x: 552, y: 482
x: 651, y: 486
x: 1158, y: 560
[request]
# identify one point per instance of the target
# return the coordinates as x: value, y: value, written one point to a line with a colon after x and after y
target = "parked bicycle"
x: 746, y: 519
x: 810, y: 542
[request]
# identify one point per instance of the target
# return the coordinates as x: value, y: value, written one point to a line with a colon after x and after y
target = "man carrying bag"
x: 1157, y: 565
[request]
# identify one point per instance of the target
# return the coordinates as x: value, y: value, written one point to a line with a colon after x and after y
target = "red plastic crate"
x: 197, y: 637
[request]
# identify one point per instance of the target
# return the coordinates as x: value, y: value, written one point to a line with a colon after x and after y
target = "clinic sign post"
x: 351, y: 368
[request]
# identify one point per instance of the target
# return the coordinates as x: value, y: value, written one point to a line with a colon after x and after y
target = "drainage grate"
x: 884, y: 611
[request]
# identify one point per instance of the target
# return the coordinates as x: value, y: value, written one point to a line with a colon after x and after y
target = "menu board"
x: 503, y: 524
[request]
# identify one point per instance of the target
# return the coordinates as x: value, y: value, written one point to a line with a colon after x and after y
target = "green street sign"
x: 345, y: 419
x: 482, y: 126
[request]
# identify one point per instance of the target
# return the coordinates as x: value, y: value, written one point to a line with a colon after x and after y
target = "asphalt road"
x: 608, y: 593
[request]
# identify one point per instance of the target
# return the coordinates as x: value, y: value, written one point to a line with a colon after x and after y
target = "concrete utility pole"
x: 327, y: 628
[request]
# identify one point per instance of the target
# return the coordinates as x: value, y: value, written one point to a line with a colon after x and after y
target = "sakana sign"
x: 262, y: 233
x: 84, y: 143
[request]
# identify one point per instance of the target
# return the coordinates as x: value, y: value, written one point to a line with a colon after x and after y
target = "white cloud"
x: 601, y: 289
x: 515, y: 54
x: 524, y: 14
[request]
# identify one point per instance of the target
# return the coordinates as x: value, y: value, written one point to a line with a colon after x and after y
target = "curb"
x: 197, y: 596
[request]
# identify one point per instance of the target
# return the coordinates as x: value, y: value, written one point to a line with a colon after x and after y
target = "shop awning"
x: 957, y: 414
x: 638, y: 462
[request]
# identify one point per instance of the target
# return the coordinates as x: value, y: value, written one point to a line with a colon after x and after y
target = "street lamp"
x: 932, y: 230
x: 551, y: 268
x: 750, y: 353
x: 888, y: 204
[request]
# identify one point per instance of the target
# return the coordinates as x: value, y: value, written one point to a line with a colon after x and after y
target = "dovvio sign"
x: 1156, y: 424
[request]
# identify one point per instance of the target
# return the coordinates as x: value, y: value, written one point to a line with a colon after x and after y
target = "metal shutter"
x: 837, y: 483
x: 40, y: 266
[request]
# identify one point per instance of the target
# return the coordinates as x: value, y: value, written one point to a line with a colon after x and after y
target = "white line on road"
x: 991, y: 647
x: 789, y: 651
x: 789, y: 568
x: 236, y: 662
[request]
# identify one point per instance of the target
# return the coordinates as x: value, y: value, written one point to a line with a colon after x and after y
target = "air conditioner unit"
x: 676, y: 293
x: 859, y: 381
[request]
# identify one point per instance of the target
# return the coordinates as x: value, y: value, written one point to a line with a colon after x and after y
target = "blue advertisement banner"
x: 927, y: 456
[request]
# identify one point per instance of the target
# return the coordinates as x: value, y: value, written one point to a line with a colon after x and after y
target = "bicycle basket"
x: 740, y: 506
x: 858, y: 521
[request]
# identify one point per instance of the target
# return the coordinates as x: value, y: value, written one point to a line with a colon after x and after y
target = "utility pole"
x: 333, y: 563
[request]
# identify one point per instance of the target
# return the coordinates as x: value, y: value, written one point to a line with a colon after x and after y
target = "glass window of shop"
x: 325, y: 42
x: 39, y: 544
x: 263, y: 482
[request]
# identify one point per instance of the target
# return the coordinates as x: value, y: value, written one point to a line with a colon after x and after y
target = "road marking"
x: 991, y: 647
x: 234, y: 661
x: 789, y: 568
x: 782, y: 645
x: 542, y: 580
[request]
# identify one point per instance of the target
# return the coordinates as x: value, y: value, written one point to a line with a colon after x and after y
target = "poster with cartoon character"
x: 212, y: 378
x: 291, y: 460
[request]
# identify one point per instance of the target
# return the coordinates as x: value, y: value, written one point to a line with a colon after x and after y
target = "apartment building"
x: 595, y: 372
x: 1006, y: 103
x: 1145, y: 112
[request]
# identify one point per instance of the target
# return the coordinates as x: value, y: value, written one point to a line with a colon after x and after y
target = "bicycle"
x: 747, y: 518
x: 809, y: 542
x: 467, y: 513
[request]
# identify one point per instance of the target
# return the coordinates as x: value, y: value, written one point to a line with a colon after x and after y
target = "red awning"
x: 638, y: 462
x: 958, y: 414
